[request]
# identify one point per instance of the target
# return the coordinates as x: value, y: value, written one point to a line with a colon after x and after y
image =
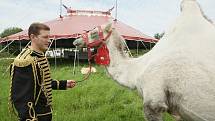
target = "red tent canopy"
x: 77, y: 21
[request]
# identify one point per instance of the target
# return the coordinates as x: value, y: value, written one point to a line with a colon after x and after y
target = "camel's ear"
x: 108, y: 27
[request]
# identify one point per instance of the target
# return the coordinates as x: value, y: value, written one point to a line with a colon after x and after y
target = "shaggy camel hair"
x: 177, y: 75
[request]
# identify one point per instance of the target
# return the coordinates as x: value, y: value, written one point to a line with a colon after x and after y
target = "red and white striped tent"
x: 77, y: 21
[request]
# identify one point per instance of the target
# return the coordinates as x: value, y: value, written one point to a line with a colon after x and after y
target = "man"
x: 31, y: 85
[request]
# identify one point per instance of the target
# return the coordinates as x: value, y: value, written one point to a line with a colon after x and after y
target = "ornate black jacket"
x: 31, y: 85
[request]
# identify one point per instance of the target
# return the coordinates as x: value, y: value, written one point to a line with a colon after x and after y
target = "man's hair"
x: 36, y: 27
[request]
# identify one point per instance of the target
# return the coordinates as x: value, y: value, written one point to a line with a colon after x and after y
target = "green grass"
x: 138, y: 53
x: 97, y: 99
x: 6, y: 55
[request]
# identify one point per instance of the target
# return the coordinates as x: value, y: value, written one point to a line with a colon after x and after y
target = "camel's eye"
x: 94, y: 35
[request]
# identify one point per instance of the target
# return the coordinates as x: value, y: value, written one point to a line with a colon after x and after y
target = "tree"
x: 14, y: 48
x: 159, y: 36
x: 10, y: 31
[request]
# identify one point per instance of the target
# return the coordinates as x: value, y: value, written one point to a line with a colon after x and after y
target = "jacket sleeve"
x: 59, y: 85
x: 23, y: 91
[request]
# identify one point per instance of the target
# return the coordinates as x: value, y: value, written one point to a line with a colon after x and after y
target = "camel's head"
x: 94, y: 37
x: 193, y: 7
x: 189, y: 4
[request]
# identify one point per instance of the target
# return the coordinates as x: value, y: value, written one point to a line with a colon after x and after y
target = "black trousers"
x: 41, y: 118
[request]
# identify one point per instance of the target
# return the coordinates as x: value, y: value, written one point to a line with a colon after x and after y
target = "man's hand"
x: 70, y: 83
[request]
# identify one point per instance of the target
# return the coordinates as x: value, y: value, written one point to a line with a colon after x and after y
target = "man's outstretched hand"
x: 70, y: 83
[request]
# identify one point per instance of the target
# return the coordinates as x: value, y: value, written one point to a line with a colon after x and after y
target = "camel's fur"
x: 178, y: 74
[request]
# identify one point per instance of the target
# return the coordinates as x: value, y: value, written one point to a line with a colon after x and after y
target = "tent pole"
x: 27, y: 44
x: 74, y: 63
x: 60, y: 8
x: 127, y: 48
x: 61, y: 53
x: 50, y: 45
x: 1, y: 46
x: 137, y: 48
x: 78, y: 58
x: 7, y: 46
x: 150, y: 46
x: 8, y: 49
x: 144, y: 45
x: 20, y: 46
x: 116, y: 4
x: 55, y: 61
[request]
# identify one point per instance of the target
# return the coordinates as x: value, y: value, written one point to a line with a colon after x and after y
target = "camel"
x: 177, y: 75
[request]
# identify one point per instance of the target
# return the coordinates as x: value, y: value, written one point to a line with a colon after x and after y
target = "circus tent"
x: 65, y: 29
x: 78, y: 21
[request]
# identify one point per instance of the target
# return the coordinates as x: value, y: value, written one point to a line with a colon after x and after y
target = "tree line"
x: 10, y: 31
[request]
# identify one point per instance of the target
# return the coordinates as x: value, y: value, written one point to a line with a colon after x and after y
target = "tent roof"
x: 74, y: 24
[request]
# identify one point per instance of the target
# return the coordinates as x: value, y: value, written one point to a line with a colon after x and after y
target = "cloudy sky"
x: 148, y: 16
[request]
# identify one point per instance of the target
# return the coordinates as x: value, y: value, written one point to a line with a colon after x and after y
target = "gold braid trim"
x: 30, y: 111
x: 38, y: 81
x: 24, y: 60
x: 38, y: 97
x: 35, y: 78
x: 22, y: 63
x: 44, y: 114
x: 45, y: 81
x: 10, y: 105
x: 41, y: 73
x: 50, y: 93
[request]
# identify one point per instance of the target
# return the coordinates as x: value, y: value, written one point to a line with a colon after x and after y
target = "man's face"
x: 42, y: 41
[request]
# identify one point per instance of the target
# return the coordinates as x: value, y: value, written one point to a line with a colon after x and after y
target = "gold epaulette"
x: 24, y: 58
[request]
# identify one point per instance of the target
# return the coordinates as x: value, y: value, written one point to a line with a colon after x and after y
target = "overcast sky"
x: 148, y: 16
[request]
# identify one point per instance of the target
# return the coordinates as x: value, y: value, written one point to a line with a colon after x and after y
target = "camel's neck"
x: 119, y: 61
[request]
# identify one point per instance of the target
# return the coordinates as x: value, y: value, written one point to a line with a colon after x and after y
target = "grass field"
x: 97, y: 99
